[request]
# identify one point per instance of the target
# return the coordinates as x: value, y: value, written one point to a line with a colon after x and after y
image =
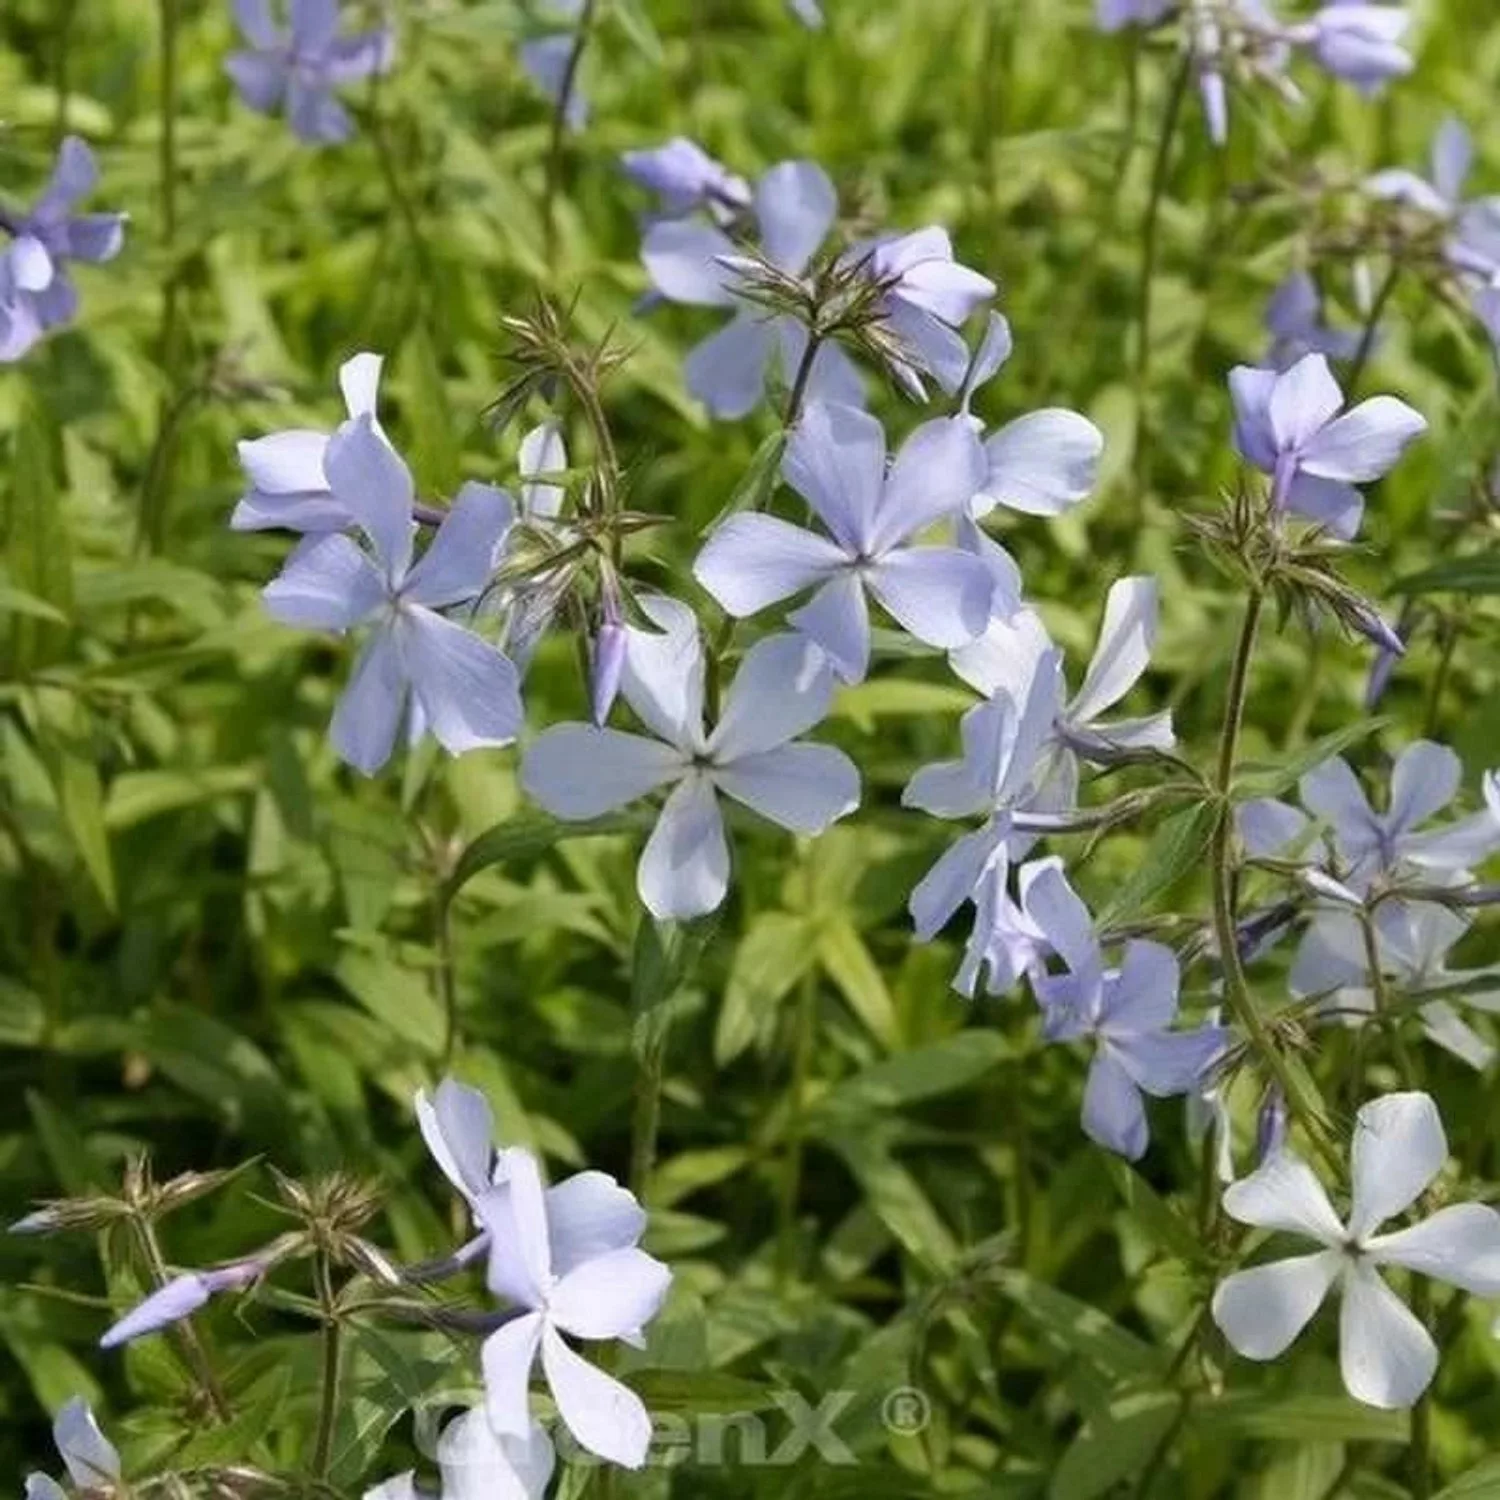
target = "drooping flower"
x: 549, y: 60
x: 926, y: 296
x: 783, y: 688
x: 1126, y: 1012
x: 997, y: 777
x: 1412, y: 941
x: 36, y: 291
x: 1040, y: 464
x: 458, y: 686
x: 297, y: 67
x: 1295, y: 321
x: 180, y: 1298
x: 478, y: 1463
x: 698, y: 264
x: 1388, y: 1358
x: 836, y: 461
x: 92, y: 1461
x: 1359, y: 43
x: 288, y: 488
x: 1362, y: 846
x: 568, y: 1260
x: 1288, y: 425
x: 1007, y: 657
x: 685, y: 178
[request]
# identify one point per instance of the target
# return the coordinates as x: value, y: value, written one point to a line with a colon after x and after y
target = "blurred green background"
x: 217, y: 943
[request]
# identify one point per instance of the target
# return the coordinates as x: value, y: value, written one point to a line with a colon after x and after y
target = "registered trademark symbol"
x: 906, y: 1411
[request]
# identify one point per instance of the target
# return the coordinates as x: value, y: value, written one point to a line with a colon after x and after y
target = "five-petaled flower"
x: 457, y: 685
x: 568, y: 1260
x: 36, y: 292
x: 298, y: 66
x: 836, y: 461
x: 1388, y: 1358
x: 1288, y: 425
x: 783, y: 688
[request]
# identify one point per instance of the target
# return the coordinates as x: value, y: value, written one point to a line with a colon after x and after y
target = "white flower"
x: 1388, y: 1358
x: 478, y: 1463
x: 90, y: 1457
x: 567, y: 1257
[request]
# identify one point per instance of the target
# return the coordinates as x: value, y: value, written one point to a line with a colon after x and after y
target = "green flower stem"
x: 560, y: 124
x: 803, y: 1045
x: 328, y: 1397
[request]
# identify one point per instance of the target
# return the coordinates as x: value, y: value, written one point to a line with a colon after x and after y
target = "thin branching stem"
x: 560, y: 112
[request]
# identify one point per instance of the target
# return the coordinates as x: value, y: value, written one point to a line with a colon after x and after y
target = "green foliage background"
x: 217, y: 943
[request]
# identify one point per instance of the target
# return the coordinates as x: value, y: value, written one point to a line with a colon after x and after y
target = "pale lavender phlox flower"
x: 568, y: 1259
x: 836, y: 460
x: 1006, y: 943
x: 995, y: 778
x: 36, y: 291
x: 1387, y: 1356
x: 461, y: 688
x: 548, y: 60
x: 458, y: 1129
x: 926, y: 297
x: 1473, y: 246
x: 288, y: 488
x: 1126, y: 1012
x: 477, y: 1463
x: 1116, y: 15
x: 1358, y: 43
x: 179, y: 1298
x: 92, y: 1461
x: 809, y: 12
x: 298, y: 66
x: 1412, y: 941
x: 1361, y: 846
x: 1007, y: 655
x: 685, y: 178
x: 530, y: 605
x: 699, y: 265
x: 752, y: 755
x: 1295, y: 321
x: 1288, y: 425
x: 1235, y: 37
x: 1040, y: 464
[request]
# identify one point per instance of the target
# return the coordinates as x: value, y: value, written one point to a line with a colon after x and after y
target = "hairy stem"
x: 1149, y: 243
x: 1226, y: 928
x: 565, y: 95
x: 328, y: 1396
x: 798, y: 395
x: 190, y: 1347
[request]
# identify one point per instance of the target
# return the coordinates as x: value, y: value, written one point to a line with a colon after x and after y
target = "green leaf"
x: 954, y: 1063
x: 1115, y: 1445
x: 771, y: 958
x: 843, y: 954
x: 1303, y: 1419
x: 699, y: 1391
x: 1169, y: 1228
x: 1479, y: 573
x: 434, y: 453
x: 636, y: 24
x: 1176, y: 848
x: 666, y: 954
x: 37, y: 547
x: 1482, y: 1482
x: 527, y: 835
x: 18, y: 602
x: 758, y: 480
x: 1078, y: 1329
x: 1256, y: 780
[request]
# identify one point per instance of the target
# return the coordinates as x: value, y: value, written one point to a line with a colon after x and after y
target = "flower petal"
x: 579, y: 771
x: 507, y: 1357
x: 328, y: 583
x: 1262, y: 1310
x: 285, y: 463
x: 937, y: 471
x: 368, y: 715
x: 459, y: 561
x: 795, y: 205
x: 1386, y: 1356
x: 1364, y: 444
x: 664, y: 672
x: 1459, y: 1244
x: 590, y: 1214
x: 1250, y: 390
x: 369, y: 479
x: 469, y: 690
x: 1332, y: 791
x: 477, y: 1463
x: 683, y: 261
x: 92, y: 1460
x: 684, y: 868
x: 610, y: 1296
x: 259, y: 77
x: 458, y: 1128
x: 1283, y: 1193
x: 1304, y: 400
x: 1424, y: 780
x: 1041, y: 464
x: 727, y: 371
x: 803, y: 788
x: 1142, y: 997
x: 1114, y: 1114
x: 836, y: 461
x: 1398, y: 1148
x: 939, y: 594
x: 783, y: 687
x: 1124, y: 650
x: 606, y: 1417
x: 953, y: 879
x: 754, y: 560
x: 837, y: 618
